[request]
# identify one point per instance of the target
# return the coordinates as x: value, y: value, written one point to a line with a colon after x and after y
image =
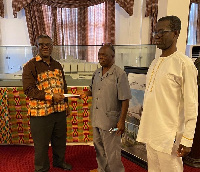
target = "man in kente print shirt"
x: 44, y: 83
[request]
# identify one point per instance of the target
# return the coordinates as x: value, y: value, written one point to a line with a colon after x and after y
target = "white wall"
x: 132, y: 29
x: 13, y: 31
x: 181, y: 10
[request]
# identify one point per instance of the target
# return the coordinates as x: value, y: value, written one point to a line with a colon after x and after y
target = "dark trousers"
x: 45, y: 129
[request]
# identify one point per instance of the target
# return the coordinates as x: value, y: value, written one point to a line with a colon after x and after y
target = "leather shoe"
x: 64, y: 166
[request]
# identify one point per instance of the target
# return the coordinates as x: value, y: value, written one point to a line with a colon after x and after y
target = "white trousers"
x: 163, y: 162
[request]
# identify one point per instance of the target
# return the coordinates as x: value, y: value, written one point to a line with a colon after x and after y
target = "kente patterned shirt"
x: 170, y: 104
x: 40, y: 81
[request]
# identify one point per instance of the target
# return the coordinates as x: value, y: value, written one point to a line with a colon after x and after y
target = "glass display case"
x: 79, y: 62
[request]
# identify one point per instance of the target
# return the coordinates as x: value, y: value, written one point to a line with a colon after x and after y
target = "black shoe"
x: 64, y: 166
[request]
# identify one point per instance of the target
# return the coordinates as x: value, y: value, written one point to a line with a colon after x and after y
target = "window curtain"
x: 17, y: 5
x: 127, y: 5
x: 1, y: 8
x: 35, y: 21
x: 28, y: 5
x: 152, y: 12
x: 67, y: 26
x: 80, y: 26
x: 100, y: 28
x: 52, y: 17
x: 194, y: 22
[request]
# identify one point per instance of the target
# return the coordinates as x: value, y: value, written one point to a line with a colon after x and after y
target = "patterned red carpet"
x: 21, y: 159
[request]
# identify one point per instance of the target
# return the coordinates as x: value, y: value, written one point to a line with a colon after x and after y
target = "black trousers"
x: 45, y: 129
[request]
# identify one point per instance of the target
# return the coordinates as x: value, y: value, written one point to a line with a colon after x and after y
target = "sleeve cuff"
x: 186, y: 141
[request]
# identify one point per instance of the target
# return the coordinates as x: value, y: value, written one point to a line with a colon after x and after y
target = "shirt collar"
x: 109, y: 72
x: 38, y: 58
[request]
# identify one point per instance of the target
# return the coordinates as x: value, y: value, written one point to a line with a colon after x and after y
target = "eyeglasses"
x: 43, y: 44
x: 160, y: 33
x: 110, y: 45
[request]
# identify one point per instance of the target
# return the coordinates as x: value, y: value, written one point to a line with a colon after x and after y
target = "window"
x: 66, y: 31
x: 192, y: 28
x: 96, y: 25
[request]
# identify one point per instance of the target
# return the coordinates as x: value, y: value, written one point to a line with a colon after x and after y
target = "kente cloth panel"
x: 5, y: 131
x: 19, y: 120
x: 15, y: 128
x: 79, y: 128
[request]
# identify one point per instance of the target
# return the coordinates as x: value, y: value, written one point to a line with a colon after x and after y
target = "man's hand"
x: 183, y: 151
x: 121, y: 127
x: 84, y: 94
x: 121, y: 122
x: 57, y: 97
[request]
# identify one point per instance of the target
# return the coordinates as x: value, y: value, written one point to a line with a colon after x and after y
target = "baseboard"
x: 134, y: 159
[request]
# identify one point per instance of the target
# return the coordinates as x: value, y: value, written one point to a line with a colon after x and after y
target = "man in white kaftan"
x: 171, y: 102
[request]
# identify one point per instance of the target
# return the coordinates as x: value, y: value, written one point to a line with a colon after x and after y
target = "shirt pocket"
x: 165, y: 78
x: 111, y: 81
x: 176, y: 79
